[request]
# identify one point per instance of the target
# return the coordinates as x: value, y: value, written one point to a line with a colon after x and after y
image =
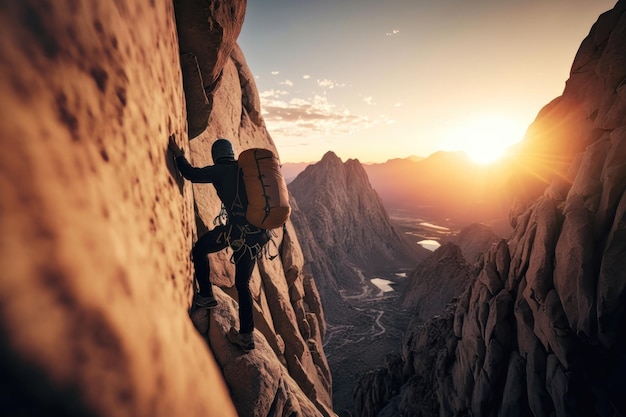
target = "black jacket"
x: 227, y: 179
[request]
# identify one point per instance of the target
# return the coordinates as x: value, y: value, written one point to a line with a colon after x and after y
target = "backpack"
x: 268, y: 199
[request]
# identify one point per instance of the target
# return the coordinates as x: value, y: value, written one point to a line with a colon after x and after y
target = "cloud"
x: 287, y: 82
x: 369, y: 100
x: 392, y: 33
x: 306, y: 77
x: 308, y: 118
x: 325, y: 83
x: 384, y: 119
x: 269, y: 94
x: 275, y: 72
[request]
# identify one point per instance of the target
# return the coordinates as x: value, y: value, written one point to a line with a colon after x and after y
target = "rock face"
x: 348, y: 226
x: 97, y: 226
x: 540, y: 331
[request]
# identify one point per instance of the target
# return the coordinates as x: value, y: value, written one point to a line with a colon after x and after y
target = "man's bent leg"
x: 210, y: 242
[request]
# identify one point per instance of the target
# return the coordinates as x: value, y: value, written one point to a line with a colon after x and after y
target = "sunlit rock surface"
x: 541, y: 330
x: 97, y: 226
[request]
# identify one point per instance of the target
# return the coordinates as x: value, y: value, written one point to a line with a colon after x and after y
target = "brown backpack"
x: 268, y: 198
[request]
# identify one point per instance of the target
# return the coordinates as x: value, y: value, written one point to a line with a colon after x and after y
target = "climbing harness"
x: 221, y: 218
x: 244, y: 231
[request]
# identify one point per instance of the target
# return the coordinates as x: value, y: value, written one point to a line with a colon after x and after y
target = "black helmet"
x: 222, y: 149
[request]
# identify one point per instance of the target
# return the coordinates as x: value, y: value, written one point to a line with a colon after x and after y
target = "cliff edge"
x: 97, y: 226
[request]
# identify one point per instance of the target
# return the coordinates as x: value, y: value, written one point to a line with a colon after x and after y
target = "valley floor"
x: 375, y: 322
x: 359, y: 344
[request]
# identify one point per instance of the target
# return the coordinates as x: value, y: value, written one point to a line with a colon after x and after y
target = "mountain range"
x: 446, y: 187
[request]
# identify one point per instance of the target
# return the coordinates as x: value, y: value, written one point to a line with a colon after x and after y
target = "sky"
x: 376, y: 80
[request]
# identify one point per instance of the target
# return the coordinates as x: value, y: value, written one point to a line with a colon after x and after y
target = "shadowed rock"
x: 436, y: 281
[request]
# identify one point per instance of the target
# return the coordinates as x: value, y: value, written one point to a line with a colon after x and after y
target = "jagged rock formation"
x: 348, y: 223
x: 207, y: 35
x: 97, y: 226
x: 436, y: 281
x: 541, y: 330
x: 347, y: 239
x: 447, y: 272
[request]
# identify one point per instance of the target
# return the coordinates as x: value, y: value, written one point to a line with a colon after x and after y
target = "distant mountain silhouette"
x: 446, y: 185
x: 291, y: 170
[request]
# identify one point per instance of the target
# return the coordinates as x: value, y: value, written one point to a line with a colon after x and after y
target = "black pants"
x: 246, y: 247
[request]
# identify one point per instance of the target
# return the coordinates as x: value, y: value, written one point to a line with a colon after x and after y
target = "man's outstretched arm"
x: 193, y: 174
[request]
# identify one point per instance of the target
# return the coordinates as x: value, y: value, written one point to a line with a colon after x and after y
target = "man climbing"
x: 244, y: 239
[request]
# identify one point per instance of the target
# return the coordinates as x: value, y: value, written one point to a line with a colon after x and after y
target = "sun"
x: 485, y: 138
x: 485, y: 156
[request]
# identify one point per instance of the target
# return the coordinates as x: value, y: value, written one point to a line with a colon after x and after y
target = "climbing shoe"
x: 204, y: 302
x: 243, y: 340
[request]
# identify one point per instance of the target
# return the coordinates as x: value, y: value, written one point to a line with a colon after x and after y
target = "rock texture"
x: 540, y: 331
x: 97, y: 226
x: 207, y: 35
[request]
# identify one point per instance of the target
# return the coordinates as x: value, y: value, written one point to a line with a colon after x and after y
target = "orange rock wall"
x: 97, y: 227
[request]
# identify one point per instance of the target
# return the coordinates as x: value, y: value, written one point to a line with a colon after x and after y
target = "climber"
x: 244, y: 239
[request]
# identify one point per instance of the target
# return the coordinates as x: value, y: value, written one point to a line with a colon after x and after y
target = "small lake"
x: 434, y: 226
x: 431, y: 245
x: 383, y: 284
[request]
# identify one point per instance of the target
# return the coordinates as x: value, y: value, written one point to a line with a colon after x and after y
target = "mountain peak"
x: 330, y: 157
x: 338, y: 196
